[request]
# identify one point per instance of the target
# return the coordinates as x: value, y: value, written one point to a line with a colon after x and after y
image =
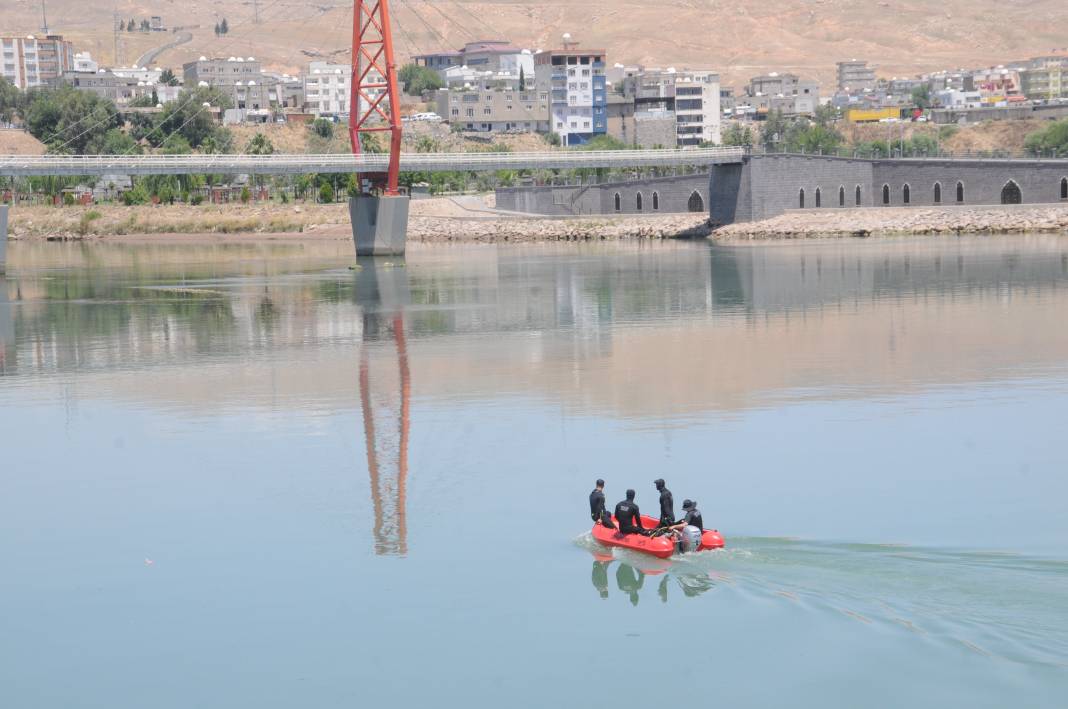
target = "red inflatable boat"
x: 662, y: 547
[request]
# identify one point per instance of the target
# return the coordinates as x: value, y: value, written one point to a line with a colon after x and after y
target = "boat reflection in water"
x: 630, y: 577
x: 381, y: 291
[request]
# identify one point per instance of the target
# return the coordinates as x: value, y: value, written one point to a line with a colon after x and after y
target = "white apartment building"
x: 575, y: 82
x: 697, y: 108
x: 28, y: 61
x: 83, y: 63
x: 327, y: 88
x: 149, y: 77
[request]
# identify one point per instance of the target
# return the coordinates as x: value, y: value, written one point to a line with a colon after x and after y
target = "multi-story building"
x: 27, y: 61
x: 105, y: 84
x: 575, y: 82
x: 783, y: 92
x: 249, y: 88
x: 327, y: 88
x: 83, y: 62
x: 1045, y: 83
x: 855, y: 76
x: 697, y: 107
x: 495, y: 110
x: 140, y: 73
x: 496, y: 55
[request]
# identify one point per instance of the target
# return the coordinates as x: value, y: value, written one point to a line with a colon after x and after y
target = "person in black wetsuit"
x: 628, y: 517
x: 597, y: 502
x: 667, y: 504
x: 690, y: 527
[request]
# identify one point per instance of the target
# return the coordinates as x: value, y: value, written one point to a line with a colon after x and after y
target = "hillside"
x: 739, y: 38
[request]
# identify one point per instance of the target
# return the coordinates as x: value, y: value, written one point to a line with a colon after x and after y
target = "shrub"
x: 196, y: 200
x: 326, y: 193
x: 245, y: 195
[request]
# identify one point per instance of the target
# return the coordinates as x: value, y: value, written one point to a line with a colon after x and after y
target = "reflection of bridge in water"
x: 382, y: 292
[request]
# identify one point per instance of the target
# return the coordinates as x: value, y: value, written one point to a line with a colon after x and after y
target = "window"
x: 886, y: 194
x: 696, y: 203
x: 960, y: 193
x: 618, y: 201
x: 856, y: 196
x: 801, y: 199
x: 1064, y: 188
x: 1010, y: 193
x: 937, y: 193
x: 656, y: 201
x: 841, y: 196
x: 638, y: 202
x: 906, y: 194
x: 818, y: 200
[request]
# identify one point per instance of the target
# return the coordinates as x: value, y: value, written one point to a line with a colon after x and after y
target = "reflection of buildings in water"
x: 7, y: 330
x: 382, y: 291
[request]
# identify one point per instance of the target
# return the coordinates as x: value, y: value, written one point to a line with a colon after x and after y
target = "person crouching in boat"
x: 598, y: 513
x: 690, y: 528
x: 667, y: 505
x: 628, y: 517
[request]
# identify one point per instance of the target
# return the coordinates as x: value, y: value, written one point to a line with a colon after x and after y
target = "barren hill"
x: 739, y: 38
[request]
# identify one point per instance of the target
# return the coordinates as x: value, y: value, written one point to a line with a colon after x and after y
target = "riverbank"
x: 894, y: 221
x: 464, y: 219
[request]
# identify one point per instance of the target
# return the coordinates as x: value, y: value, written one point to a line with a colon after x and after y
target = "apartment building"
x: 855, y: 76
x: 105, y: 84
x: 245, y: 82
x: 697, y: 107
x: 496, y: 55
x: 491, y: 110
x: 783, y: 92
x: 28, y: 61
x: 574, y: 80
x: 327, y: 88
x: 83, y: 62
x: 1045, y: 83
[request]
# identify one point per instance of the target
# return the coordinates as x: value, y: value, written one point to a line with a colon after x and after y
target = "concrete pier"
x: 379, y: 224
x: 3, y: 238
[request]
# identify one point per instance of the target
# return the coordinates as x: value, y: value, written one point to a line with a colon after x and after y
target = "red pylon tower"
x: 374, y: 86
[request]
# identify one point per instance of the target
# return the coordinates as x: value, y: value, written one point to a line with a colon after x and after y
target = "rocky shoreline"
x: 897, y: 221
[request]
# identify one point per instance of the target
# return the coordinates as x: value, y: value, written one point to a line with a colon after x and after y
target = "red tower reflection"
x: 385, y: 402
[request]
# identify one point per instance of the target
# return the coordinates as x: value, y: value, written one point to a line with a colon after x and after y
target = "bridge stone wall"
x: 672, y: 195
x: 3, y: 238
x: 765, y: 186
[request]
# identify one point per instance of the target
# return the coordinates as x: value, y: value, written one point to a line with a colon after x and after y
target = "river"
x: 247, y: 474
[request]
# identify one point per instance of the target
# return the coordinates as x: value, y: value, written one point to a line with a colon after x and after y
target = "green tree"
x: 921, y: 97
x: 417, y: 79
x: 246, y: 196
x: 738, y: 135
x: 259, y: 145
x: 9, y: 100
x: 1049, y: 141
x: 218, y: 29
x: 168, y: 78
x: 323, y: 128
x: 224, y: 27
x: 426, y: 144
x: 522, y: 79
x: 826, y: 115
x: 114, y: 142
x: 189, y: 116
x: 67, y: 120
x: 773, y: 133
x: 130, y: 26
x: 326, y: 193
x: 605, y: 142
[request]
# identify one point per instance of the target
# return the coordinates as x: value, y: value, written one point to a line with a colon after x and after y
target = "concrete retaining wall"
x: 667, y: 195
x: 3, y: 238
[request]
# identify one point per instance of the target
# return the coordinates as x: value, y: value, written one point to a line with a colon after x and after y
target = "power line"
x: 440, y: 38
x: 476, y: 18
x: 445, y: 17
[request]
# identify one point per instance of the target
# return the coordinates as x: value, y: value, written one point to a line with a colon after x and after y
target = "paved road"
x: 152, y: 55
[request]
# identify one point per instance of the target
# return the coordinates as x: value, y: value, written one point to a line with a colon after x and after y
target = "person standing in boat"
x: 628, y: 517
x: 667, y: 504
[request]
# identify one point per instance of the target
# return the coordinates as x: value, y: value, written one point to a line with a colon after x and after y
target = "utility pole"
x: 44, y: 19
x: 256, y: 10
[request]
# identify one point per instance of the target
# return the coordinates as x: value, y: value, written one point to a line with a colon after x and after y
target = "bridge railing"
x: 28, y: 165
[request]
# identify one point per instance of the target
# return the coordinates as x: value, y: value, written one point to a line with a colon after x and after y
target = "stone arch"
x: 819, y: 198
x: 619, y: 202
x: 906, y: 194
x: 1011, y: 194
x: 856, y: 196
x: 938, y: 193
x: 801, y: 198
x: 1064, y: 188
x: 841, y: 195
x: 886, y: 194
x: 960, y: 193
x: 656, y: 201
x: 638, y: 201
x: 696, y: 203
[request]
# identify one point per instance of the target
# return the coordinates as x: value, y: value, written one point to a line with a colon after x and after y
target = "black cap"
x: 600, y: 483
x: 630, y: 494
x: 687, y: 504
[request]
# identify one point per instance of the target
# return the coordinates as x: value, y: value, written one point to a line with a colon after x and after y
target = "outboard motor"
x: 689, y: 538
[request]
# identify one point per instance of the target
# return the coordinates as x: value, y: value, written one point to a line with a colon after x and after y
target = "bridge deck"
x: 25, y: 165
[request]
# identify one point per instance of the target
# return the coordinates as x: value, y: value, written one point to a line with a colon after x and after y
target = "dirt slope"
x: 740, y: 38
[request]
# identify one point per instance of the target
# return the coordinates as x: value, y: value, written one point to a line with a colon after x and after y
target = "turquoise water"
x: 245, y: 475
